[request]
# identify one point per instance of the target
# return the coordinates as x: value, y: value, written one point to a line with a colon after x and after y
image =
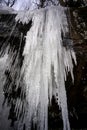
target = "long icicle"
x: 43, y: 53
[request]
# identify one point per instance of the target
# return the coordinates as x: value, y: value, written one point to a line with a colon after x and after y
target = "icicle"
x: 44, y: 53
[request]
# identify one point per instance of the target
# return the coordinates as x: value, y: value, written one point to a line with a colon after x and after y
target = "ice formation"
x: 46, y: 65
x: 25, y: 4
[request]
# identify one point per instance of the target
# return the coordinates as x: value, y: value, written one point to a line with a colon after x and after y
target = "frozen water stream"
x: 44, y: 70
x: 44, y: 53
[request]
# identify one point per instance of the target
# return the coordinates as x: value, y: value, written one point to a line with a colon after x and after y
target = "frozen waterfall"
x: 46, y: 64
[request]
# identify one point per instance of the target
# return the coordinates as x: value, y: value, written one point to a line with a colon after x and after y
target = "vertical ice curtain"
x: 46, y: 65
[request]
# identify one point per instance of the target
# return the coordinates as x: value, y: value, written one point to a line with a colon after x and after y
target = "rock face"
x: 77, y: 92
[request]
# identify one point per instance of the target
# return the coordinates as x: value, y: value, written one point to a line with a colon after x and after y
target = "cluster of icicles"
x: 46, y: 65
